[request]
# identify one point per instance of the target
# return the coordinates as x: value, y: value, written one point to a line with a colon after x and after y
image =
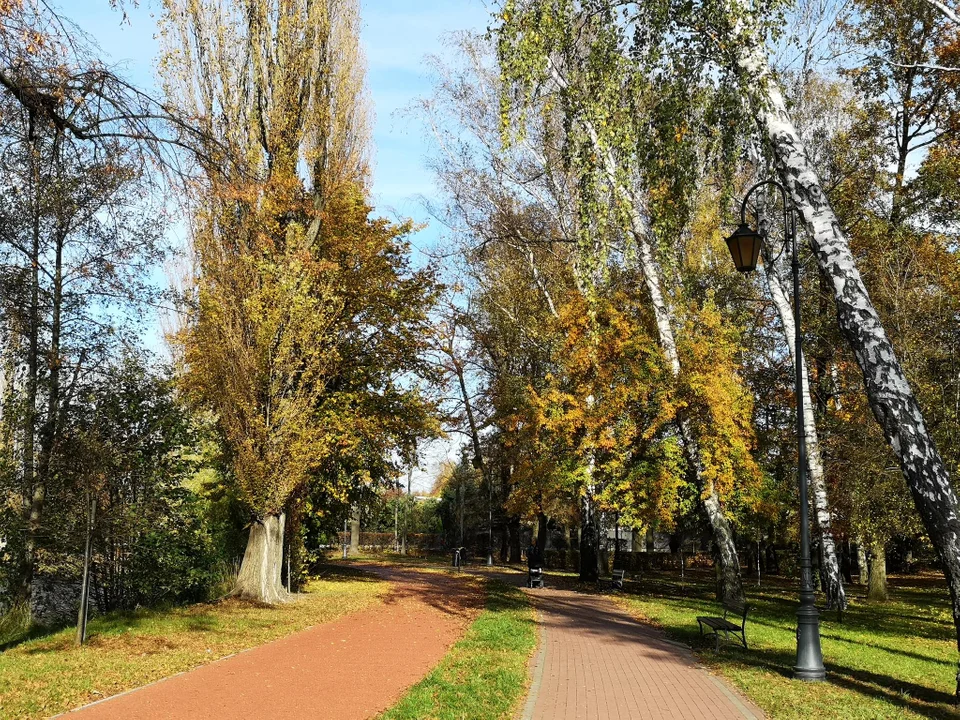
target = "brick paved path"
x: 597, y: 663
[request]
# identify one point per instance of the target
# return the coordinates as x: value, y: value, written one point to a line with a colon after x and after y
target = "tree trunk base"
x: 877, y: 587
x: 259, y: 577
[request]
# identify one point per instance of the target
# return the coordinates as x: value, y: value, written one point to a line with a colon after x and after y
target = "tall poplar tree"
x: 306, y: 320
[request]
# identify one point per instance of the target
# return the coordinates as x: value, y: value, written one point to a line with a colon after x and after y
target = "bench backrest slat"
x: 738, y: 610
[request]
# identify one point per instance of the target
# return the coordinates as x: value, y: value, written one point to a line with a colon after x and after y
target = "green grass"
x: 484, y: 676
x: 48, y: 675
x: 896, y: 659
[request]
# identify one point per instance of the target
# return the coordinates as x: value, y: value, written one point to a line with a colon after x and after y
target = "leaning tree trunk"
x: 945, y: 11
x: 259, y: 578
x: 732, y: 584
x: 833, y: 587
x: 891, y: 398
x: 730, y: 587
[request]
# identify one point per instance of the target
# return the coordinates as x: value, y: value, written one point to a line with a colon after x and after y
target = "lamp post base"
x: 809, y: 675
x: 809, y: 667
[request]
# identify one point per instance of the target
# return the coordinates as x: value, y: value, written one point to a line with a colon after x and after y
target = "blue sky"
x: 397, y: 36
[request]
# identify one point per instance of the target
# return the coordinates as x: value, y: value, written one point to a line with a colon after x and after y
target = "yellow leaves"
x: 7, y: 7
x: 718, y: 404
x: 273, y: 329
x: 602, y: 408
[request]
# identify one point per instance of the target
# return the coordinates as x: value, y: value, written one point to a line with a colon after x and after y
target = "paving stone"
x: 598, y: 663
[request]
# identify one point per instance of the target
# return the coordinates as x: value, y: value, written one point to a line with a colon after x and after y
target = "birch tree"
x: 628, y: 136
x: 733, y: 36
x: 891, y: 398
x: 833, y: 589
x: 743, y: 54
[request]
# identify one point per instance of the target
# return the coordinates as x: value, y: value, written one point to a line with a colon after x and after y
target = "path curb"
x: 538, y: 664
x: 732, y: 696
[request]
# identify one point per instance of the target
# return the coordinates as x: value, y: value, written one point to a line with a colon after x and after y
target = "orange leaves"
x: 601, y: 417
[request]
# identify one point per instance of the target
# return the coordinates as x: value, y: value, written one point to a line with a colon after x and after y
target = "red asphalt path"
x: 349, y: 669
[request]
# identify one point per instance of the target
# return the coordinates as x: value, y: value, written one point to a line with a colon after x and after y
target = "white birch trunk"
x: 945, y: 11
x: 731, y: 579
x: 836, y: 597
x: 891, y: 398
x: 259, y: 577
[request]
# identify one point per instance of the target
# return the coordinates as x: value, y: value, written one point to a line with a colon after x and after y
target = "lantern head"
x: 744, y: 246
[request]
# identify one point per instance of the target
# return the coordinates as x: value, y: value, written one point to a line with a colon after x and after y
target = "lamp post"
x: 744, y: 245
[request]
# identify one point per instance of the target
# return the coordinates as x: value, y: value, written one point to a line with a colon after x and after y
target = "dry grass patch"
x: 49, y: 675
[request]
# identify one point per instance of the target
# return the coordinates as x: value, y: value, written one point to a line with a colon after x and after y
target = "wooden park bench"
x: 617, y: 582
x: 723, y: 624
x: 535, y: 577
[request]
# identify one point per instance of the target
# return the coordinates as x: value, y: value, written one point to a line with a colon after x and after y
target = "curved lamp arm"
x: 788, y: 230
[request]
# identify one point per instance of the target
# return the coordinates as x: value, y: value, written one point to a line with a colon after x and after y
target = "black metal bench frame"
x: 535, y: 577
x: 723, y: 625
x: 617, y: 580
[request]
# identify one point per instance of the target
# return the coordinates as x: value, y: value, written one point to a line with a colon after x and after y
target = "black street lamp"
x: 745, y: 245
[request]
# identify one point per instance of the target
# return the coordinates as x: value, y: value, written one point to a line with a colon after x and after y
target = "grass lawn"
x: 48, y: 675
x: 895, y: 659
x: 484, y: 676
